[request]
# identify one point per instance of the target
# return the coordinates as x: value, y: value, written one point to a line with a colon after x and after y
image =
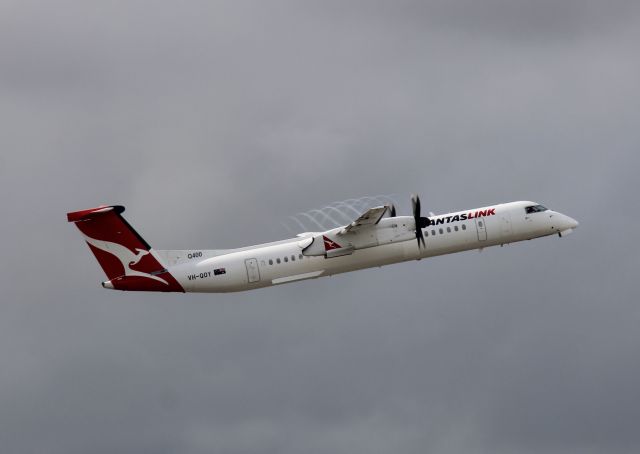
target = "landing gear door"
x: 481, y: 227
x: 253, y: 272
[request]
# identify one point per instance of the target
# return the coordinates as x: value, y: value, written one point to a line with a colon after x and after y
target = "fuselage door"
x: 253, y: 272
x: 481, y: 227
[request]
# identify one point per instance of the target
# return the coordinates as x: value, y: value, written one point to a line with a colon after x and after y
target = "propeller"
x: 392, y: 210
x: 421, y: 222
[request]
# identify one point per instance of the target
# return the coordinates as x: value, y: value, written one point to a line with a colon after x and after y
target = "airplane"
x: 376, y: 238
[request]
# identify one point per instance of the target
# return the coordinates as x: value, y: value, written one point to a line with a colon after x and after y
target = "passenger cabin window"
x: 286, y: 259
x: 270, y: 261
x: 464, y: 227
x: 278, y: 260
x: 433, y: 232
x: 535, y: 209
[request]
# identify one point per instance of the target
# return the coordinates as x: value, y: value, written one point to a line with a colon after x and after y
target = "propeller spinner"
x: 421, y: 222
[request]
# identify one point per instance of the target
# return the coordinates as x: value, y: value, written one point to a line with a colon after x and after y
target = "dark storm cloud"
x: 212, y: 122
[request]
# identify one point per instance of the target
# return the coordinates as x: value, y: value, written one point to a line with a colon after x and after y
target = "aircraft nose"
x: 572, y: 222
x: 566, y: 224
x: 563, y: 224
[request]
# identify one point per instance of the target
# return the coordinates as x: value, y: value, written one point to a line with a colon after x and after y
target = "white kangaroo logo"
x: 126, y: 257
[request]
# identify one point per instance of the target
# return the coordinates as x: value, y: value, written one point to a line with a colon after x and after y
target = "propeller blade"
x: 415, y: 202
x: 392, y: 210
x: 420, y: 237
x: 421, y: 222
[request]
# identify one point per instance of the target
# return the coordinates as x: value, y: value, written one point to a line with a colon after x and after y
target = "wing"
x: 370, y: 217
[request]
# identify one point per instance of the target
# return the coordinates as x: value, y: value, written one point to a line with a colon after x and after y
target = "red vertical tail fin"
x: 126, y: 258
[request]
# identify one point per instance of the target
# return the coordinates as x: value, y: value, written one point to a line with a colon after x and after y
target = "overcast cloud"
x: 212, y: 121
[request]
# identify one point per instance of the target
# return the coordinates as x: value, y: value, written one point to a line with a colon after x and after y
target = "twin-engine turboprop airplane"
x: 378, y: 237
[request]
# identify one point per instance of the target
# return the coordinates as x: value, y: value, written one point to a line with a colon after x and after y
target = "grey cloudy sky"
x: 214, y: 121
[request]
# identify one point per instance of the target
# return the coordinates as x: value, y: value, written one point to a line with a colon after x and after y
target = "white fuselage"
x: 283, y: 261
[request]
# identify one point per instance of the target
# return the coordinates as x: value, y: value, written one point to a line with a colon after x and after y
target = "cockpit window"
x: 535, y: 209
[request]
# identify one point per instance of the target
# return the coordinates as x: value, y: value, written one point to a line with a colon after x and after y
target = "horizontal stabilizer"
x: 91, y: 213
